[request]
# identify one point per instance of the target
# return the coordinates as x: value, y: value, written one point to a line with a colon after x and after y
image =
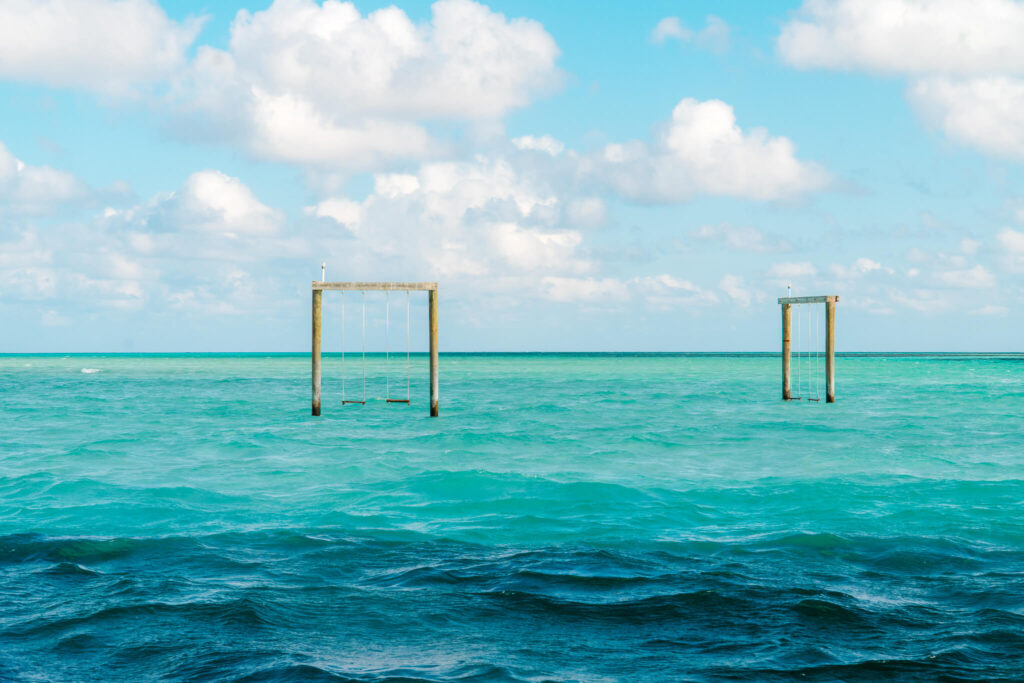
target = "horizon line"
x: 533, y: 353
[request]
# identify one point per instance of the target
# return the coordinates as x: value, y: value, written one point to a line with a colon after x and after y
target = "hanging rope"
x: 800, y: 355
x: 807, y: 351
x: 344, y: 401
x: 408, y: 380
x: 364, y: 348
x: 810, y: 315
x: 387, y: 325
x: 387, y: 336
x: 817, y: 353
x: 799, y: 384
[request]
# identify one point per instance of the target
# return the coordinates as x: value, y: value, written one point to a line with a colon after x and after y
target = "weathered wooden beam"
x: 376, y: 286
x: 787, y: 320
x: 434, y: 384
x: 808, y: 299
x: 317, y: 309
x: 830, y: 351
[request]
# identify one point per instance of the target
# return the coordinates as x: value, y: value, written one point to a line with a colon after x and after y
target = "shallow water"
x: 568, y: 517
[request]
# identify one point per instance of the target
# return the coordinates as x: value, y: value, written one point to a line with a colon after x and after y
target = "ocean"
x: 568, y: 517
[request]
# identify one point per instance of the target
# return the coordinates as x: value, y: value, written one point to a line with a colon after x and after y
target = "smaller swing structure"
x: 321, y: 286
x: 807, y: 341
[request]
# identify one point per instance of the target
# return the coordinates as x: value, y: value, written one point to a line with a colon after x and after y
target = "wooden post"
x: 434, y: 385
x: 830, y: 350
x: 787, y: 319
x: 317, y: 307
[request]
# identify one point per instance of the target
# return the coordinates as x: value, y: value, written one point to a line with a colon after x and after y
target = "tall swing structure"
x: 805, y: 380
x: 319, y: 287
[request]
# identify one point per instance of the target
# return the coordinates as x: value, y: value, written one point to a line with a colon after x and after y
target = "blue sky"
x: 644, y: 176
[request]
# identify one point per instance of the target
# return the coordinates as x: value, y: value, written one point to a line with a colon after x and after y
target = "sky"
x: 579, y: 175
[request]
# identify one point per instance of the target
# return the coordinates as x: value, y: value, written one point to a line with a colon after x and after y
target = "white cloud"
x: 543, y: 143
x: 342, y: 211
x: 393, y: 185
x: 669, y: 292
x: 212, y: 217
x: 965, y: 56
x: 670, y: 28
x: 51, y: 318
x: 977, y: 277
x: 790, y: 269
x: 35, y: 188
x: 534, y: 249
x: 1011, y: 240
x: 458, y: 220
x: 231, y: 291
x: 866, y: 265
x: 739, y: 238
x: 104, y: 45
x: 108, y: 291
x: 288, y: 128
x: 493, y: 229
x: 87, y: 266
x: 922, y: 300
x: 981, y: 112
x: 587, y: 211
x: 969, y: 246
x: 209, y: 202
x: 26, y: 268
x: 860, y: 267
x: 965, y: 37
x: 575, y: 290
x: 488, y: 227
x: 661, y: 292
x: 180, y: 249
x: 714, y: 35
x: 214, y: 202
x: 323, y: 85
x: 703, y: 150
x: 733, y: 286
x: 1011, y: 245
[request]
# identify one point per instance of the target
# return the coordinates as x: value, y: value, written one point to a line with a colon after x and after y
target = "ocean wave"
x: 187, y: 519
x: 240, y: 612
x: 297, y: 589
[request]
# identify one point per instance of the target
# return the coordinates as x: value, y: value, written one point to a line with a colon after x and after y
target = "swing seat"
x: 387, y: 327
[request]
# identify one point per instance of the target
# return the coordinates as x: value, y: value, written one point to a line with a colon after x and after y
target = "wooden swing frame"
x: 830, y: 302
x: 319, y: 287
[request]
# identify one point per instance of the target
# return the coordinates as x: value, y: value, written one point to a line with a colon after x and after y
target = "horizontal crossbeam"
x: 376, y: 286
x: 808, y: 299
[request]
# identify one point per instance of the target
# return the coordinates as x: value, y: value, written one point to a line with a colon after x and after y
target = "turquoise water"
x: 568, y: 517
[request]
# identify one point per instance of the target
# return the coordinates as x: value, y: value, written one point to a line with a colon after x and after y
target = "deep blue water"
x: 568, y: 517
